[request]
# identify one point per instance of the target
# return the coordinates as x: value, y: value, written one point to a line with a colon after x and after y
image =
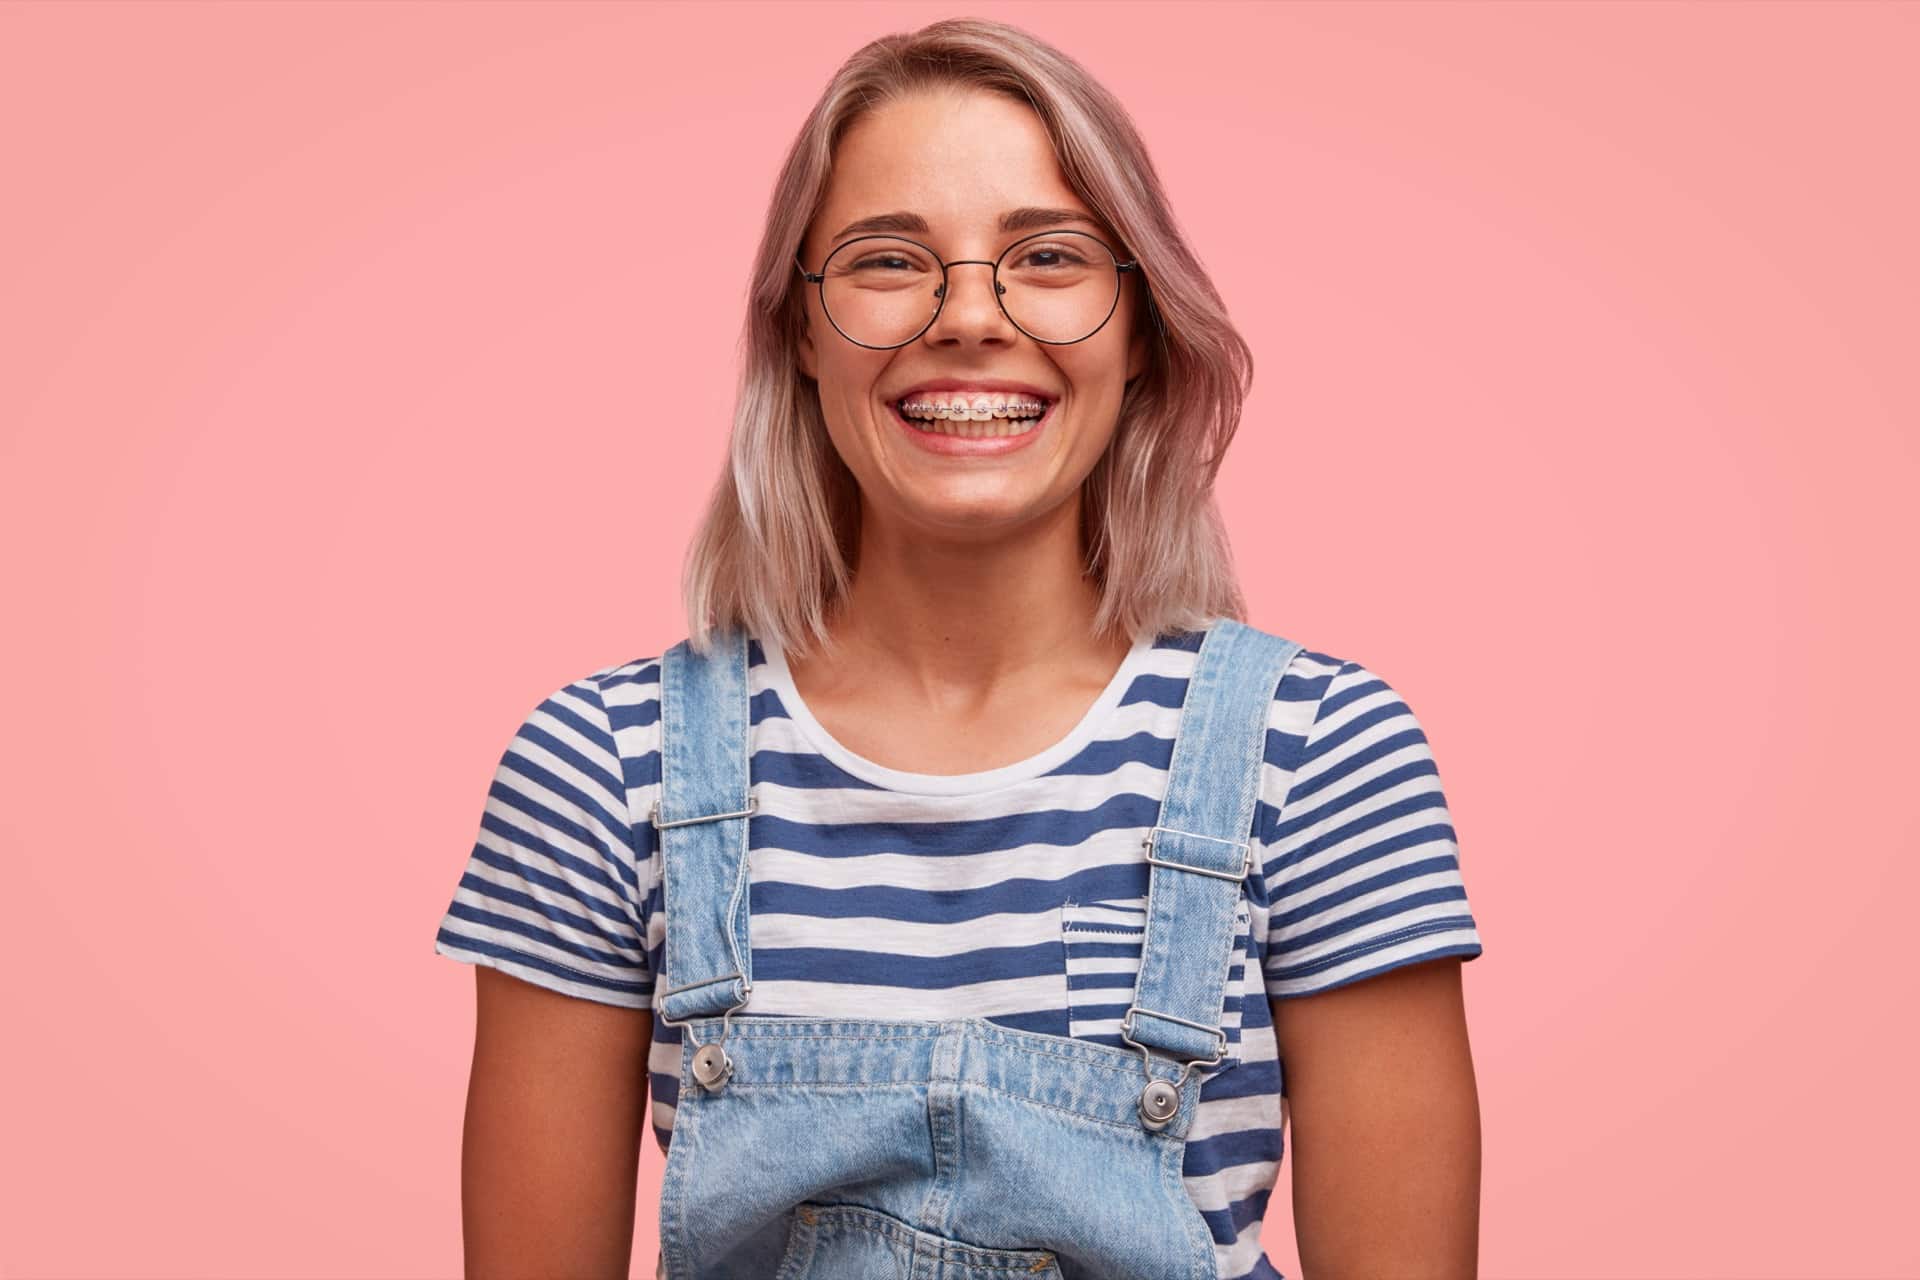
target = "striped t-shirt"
x: 1015, y: 894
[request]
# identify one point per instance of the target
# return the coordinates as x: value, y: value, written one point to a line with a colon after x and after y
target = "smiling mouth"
x: 1017, y: 417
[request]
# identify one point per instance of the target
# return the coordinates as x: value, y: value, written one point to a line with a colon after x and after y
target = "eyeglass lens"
x: 881, y: 291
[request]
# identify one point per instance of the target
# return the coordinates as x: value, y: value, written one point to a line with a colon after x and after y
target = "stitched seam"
x: 746, y: 1086
x: 737, y: 1033
x: 532, y: 961
x: 1373, y: 944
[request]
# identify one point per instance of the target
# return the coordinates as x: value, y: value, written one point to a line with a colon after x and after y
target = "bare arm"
x: 556, y: 1112
x: 1385, y: 1123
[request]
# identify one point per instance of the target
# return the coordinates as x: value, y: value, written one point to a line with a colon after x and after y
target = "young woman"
x: 964, y: 879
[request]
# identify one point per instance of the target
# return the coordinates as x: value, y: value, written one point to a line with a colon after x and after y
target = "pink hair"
x: 773, y: 550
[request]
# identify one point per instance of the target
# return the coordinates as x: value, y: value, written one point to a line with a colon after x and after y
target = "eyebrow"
x: 1025, y: 218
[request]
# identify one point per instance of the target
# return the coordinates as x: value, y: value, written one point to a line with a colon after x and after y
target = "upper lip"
x: 975, y: 386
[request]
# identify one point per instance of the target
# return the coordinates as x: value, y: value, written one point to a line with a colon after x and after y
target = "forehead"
x: 959, y: 159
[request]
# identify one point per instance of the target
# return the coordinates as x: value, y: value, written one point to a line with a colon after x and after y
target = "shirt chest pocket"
x: 1103, y: 941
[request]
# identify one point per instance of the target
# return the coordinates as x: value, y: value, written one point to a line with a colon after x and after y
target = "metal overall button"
x: 1160, y: 1100
x: 712, y: 1067
x: 1159, y: 1103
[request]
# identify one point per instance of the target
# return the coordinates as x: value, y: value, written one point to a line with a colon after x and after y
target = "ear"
x: 806, y: 352
x: 807, y: 357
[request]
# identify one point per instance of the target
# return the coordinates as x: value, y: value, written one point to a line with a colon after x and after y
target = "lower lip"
x: 973, y: 446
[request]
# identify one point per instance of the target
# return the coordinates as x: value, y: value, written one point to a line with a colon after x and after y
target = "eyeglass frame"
x: 819, y: 278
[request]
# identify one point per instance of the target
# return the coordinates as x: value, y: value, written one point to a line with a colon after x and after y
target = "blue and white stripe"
x: 1015, y: 894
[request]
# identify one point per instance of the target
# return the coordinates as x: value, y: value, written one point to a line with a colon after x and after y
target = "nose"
x: 970, y: 308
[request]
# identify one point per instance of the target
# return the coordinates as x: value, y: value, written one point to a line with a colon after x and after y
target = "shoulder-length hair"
x: 774, y: 549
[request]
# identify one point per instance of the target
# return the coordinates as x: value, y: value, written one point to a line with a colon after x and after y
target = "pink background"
x: 363, y: 368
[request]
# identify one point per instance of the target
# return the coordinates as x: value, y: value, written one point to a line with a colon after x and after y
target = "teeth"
x: 974, y: 430
x: 980, y: 408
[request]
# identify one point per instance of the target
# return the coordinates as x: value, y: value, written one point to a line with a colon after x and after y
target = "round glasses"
x: 1057, y: 287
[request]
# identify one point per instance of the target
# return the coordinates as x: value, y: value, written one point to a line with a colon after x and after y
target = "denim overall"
x: 808, y: 1148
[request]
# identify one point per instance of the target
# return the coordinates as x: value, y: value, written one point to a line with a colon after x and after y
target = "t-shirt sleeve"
x: 1361, y: 864
x: 550, y: 893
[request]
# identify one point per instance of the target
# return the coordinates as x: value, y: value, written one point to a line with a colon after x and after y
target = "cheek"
x: 851, y: 378
x: 1097, y: 368
x: 1099, y: 385
x: 852, y: 428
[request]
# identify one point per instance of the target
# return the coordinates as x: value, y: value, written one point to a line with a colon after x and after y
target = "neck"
x: 953, y: 621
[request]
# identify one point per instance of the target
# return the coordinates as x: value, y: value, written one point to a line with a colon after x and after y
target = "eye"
x: 1044, y: 256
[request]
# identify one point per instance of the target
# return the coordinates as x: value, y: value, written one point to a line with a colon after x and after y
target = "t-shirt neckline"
x: 780, y: 679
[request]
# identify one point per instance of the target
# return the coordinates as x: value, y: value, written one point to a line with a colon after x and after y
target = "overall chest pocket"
x: 1103, y: 941
x: 844, y: 1241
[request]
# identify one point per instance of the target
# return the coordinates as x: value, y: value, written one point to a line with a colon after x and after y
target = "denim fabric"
x: 960, y: 1149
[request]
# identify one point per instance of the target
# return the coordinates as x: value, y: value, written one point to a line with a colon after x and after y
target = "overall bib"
x: 809, y: 1148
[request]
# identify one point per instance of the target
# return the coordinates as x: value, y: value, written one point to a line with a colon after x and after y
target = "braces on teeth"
x: 1027, y: 410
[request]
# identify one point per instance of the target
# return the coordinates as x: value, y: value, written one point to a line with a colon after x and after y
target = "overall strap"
x: 700, y: 821
x: 1202, y: 847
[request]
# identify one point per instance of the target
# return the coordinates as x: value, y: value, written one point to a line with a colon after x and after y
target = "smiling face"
x: 960, y: 161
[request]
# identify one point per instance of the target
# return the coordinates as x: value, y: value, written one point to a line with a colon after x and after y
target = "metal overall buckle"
x: 1160, y: 1100
x: 712, y: 1067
